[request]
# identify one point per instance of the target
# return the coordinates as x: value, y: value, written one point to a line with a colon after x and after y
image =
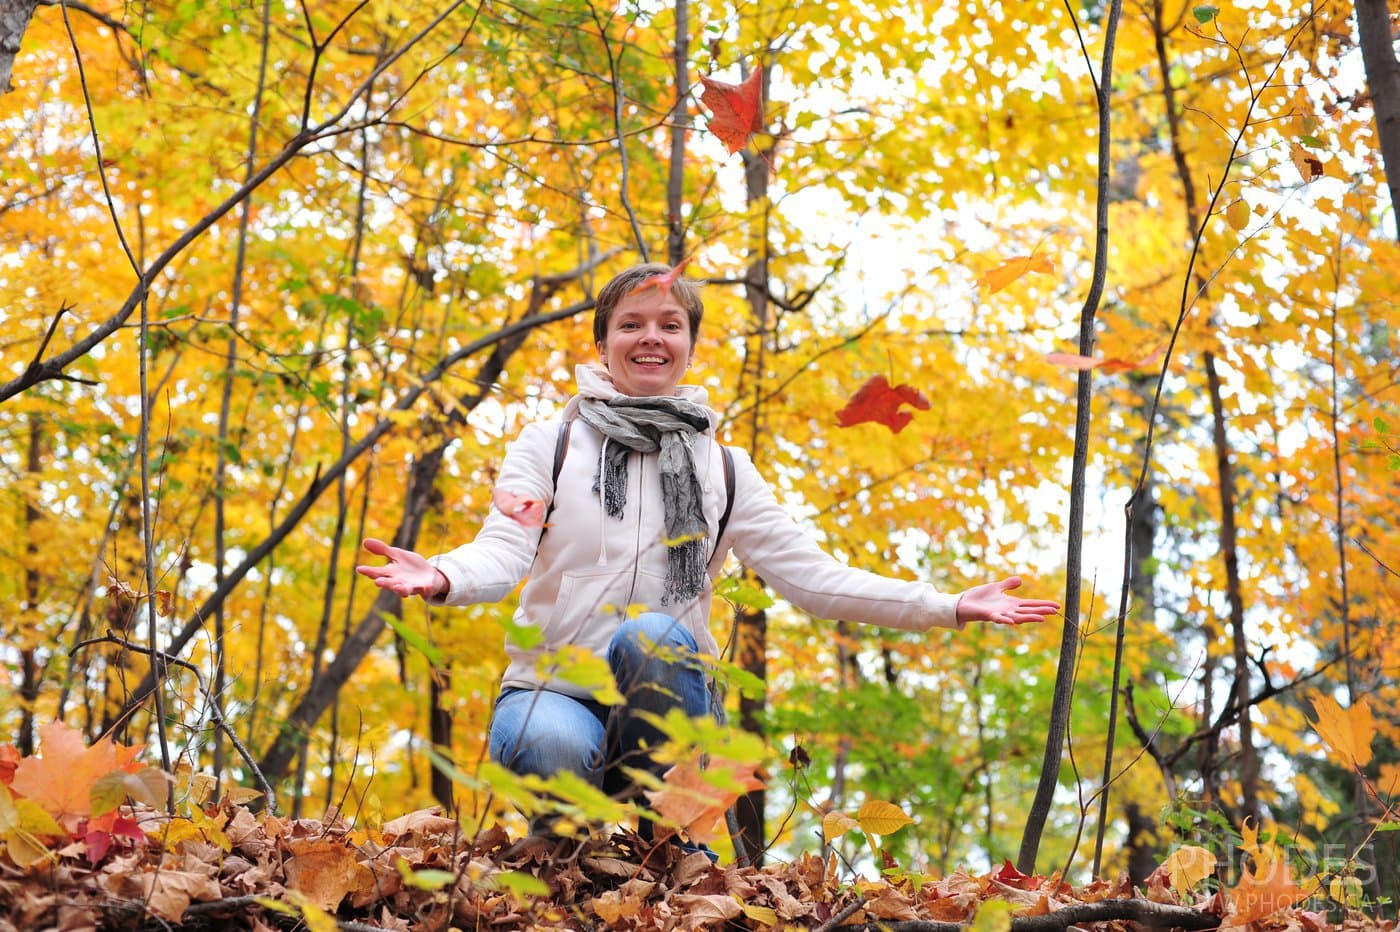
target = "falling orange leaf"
x: 737, y: 109
x: 663, y: 281
x: 1309, y: 166
x: 1106, y: 363
x: 1348, y: 732
x: 1012, y: 269
x: 877, y: 401
x: 527, y: 512
x: 696, y: 799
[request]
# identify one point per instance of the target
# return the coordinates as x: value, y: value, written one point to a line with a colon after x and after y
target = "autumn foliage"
x: 275, y: 279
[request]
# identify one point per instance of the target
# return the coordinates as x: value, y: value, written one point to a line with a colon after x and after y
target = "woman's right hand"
x: 406, y: 573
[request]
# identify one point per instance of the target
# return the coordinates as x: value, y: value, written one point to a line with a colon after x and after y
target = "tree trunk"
x: 14, y: 20
x: 440, y: 733
x: 1249, y: 757
x: 751, y: 625
x: 28, y: 658
x: 1383, y: 80
x: 680, y: 126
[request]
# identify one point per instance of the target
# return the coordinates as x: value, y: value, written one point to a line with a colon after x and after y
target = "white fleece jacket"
x: 589, y: 571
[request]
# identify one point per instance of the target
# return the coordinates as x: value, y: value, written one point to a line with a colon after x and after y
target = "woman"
x: 626, y: 566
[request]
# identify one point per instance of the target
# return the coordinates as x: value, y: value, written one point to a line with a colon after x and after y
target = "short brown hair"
x: 686, y: 292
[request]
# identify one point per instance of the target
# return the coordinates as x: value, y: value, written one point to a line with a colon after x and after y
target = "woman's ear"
x: 602, y: 353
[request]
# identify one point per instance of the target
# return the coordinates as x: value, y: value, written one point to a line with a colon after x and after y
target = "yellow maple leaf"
x: 998, y: 278
x: 1188, y: 866
x: 877, y: 817
x: 1348, y: 732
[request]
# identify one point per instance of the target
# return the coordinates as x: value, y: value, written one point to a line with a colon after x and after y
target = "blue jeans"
x: 654, y: 660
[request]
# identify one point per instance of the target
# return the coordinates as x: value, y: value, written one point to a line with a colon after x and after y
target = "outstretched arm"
x: 406, y: 573
x: 990, y: 602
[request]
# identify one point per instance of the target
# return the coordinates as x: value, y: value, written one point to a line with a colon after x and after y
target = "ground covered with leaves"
x: 230, y: 868
x: 91, y: 839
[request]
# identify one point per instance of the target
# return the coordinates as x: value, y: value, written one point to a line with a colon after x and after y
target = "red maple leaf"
x: 9, y: 759
x: 664, y: 281
x: 101, y: 832
x: 877, y: 401
x: 737, y: 109
x: 527, y: 512
x: 1010, y: 876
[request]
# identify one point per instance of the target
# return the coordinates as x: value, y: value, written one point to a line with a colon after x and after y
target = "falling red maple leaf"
x: 877, y: 401
x: 664, y: 281
x: 695, y: 802
x: 527, y: 512
x: 737, y: 109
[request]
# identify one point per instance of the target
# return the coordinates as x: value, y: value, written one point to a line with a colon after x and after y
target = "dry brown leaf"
x: 429, y: 821
x: 699, y: 911
x: 323, y: 871
x: 888, y: 902
x: 168, y: 893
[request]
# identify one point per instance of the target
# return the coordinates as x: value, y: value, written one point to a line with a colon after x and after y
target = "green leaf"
x: 521, y: 884
x: 1205, y: 14
x: 413, y: 639
x: 523, y: 636
x: 1380, y: 425
x: 426, y: 879
x: 993, y: 916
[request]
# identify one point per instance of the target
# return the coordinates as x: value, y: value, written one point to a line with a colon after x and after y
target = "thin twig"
x: 216, y: 715
x: 835, y: 921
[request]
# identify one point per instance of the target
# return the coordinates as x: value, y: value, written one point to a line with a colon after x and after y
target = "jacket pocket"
x: 591, y: 604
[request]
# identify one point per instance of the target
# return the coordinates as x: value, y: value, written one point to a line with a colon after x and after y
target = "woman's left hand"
x: 990, y: 602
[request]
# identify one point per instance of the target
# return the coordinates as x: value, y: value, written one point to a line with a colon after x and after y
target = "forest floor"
x: 231, y: 869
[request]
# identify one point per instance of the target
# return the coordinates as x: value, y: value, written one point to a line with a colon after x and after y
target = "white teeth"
x: 649, y: 359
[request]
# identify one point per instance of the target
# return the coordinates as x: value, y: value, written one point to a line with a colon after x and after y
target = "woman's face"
x: 647, y: 347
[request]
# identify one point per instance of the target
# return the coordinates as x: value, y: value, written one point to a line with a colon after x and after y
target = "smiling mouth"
x: 649, y: 361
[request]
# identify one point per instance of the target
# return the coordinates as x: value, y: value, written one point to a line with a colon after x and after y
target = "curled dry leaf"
x: 1009, y: 271
x: 527, y: 512
x: 663, y: 281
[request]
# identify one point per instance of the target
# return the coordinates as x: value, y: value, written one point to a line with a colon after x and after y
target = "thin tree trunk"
x: 223, y: 445
x: 342, y: 501
x: 1058, y: 726
x: 440, y: 733
x: 680, y: 126
x: 28, y: 658
x: 1249, y: 756
x: 14, y: 20
x: 1383, y: 79
x: 750, y: 624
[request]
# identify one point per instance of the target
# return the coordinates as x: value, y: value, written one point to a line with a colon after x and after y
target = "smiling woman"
x: 638, y: 490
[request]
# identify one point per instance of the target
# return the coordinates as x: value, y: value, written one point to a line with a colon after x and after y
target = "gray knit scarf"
x: 648, y: 425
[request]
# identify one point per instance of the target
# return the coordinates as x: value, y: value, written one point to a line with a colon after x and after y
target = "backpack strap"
x: 728, y: 490
x: 561, y: 449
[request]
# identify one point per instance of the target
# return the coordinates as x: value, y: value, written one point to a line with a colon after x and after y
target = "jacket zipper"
x: 637, y: 542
